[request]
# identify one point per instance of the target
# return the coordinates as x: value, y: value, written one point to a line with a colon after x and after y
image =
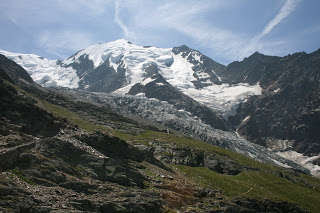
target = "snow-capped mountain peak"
x: 119, y: 65
x: 134, y: 58
x: 98, y: 53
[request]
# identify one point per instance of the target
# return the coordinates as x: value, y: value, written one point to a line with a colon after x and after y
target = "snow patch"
x: 246, y: 118
x: 124, y: 90
x: 141, y: 95
x: 276, y: 90
x: 146, y: 81
x: 278, y: 145
x: 160, y: 84
x: 216, y: 75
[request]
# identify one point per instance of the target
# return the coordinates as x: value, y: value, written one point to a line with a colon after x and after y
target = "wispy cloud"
x: 255, y: 44
x: 127, y: 33
x: 58, y: 43
x: 186, y: 18
x: 288, y: 7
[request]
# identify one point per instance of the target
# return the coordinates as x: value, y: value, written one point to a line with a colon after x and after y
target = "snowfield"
x: 223, y: 98
x: 44, y: 71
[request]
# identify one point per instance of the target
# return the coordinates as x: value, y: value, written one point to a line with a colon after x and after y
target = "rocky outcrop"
x: 171, y: 154
x: 70, y: 174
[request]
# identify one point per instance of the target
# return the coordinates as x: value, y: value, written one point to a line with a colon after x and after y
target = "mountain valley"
x: 119, y: 127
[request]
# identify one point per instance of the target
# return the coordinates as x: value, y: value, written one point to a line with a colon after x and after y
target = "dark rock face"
x: 256, y: 68
x: 152, y: 70
x: 119, y: 149
x: 223, y: 165
x: 67, y: 170
x: 100, y: 79
x: 289, y: 108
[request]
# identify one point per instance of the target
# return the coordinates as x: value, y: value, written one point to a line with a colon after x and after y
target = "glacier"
x: 163, y: 114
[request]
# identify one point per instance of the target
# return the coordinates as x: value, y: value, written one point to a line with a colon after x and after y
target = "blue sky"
x: 225, y: 30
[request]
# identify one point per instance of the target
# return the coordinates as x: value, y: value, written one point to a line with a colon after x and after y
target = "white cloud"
x: 58, y: 43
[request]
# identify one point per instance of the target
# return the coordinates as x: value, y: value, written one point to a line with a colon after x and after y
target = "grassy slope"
x: 71, y: 117
x: 269, y: 182
x: 258, y: 185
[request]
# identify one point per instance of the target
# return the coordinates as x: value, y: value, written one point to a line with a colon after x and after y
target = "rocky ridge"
x: 286, y: 115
